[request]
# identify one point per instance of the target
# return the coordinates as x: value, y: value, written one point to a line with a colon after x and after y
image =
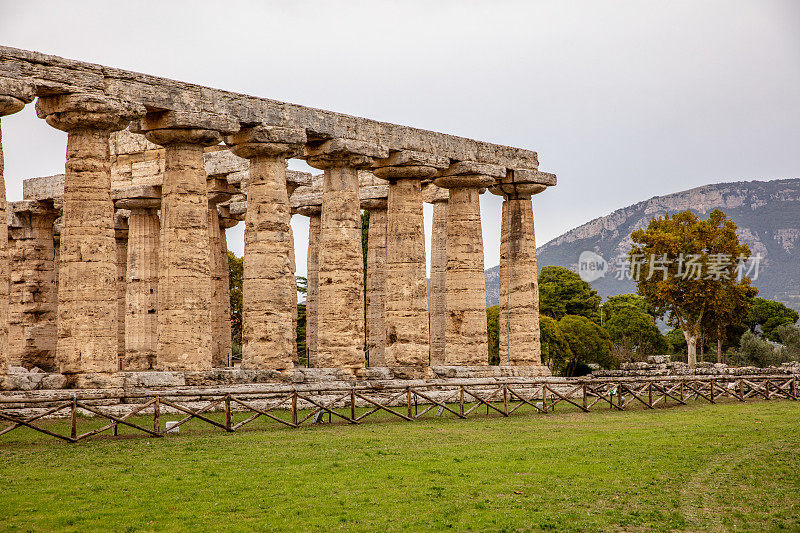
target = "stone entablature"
x: 50, y: 74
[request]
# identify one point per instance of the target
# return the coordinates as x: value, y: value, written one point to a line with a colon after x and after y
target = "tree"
x: 766, y: 316
x: 634, y: 332
x: 718, y: 320
x: 555, y: 348
x: 618, y: 302
x: 236, y: 280
x: 685, y: 267
x: 676, y: 341
x: 588, y: 342
x: 493, y: 332
x: 562, y: 292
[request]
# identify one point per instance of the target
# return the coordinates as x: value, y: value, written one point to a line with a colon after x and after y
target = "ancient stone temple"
x: 119, y: 266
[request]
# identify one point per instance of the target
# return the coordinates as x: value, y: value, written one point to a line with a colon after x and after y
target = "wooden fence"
x: 357, y: 403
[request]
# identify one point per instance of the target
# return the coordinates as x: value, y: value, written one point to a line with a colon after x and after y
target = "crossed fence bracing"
x: 355, y: 404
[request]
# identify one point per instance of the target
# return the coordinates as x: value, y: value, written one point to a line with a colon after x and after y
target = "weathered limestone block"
x: 13, y: 97
x: 33, y: 300
x: 340, y: 334
x: 269, y: 290
x: 87, y: 288
x: 466, y: 342
x: 184, y: 290
x: 376, y: 283
x: 407, y: 333
x: 519, y: 290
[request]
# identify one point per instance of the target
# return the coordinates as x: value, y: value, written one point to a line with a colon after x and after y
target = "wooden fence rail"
x: 408, y: 403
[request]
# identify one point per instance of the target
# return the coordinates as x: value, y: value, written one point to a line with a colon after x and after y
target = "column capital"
x: 137, y: 197
x: 309, y: 210
x: 79, y: 111
x: 266, y: 140
x: 14, y: 94
x: 371, y: 204
x: 185, y: 127
x: 342, y: 152
x: 469, y: 174
x: 410, y: 164
x: 523, y: 184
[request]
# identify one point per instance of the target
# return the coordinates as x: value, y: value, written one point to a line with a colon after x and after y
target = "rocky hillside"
x: 767, y: 214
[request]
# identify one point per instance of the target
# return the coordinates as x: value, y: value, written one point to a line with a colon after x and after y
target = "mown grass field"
x: 702, y: 467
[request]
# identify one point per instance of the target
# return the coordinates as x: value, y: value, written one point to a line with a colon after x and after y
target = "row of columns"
x: 182, y: 281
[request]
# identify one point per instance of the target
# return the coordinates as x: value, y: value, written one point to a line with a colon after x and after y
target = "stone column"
x: 121, y: 236
x: 141, y: 301
x: 269, y: 290
x: 220, y: 349
x: 291, y: 186
x: 224, y: 292
x: 519, y: 289
x: 13, y: 97
x: 87, y: 289
x: 465, y: 335
x: 407, y: 333
x: 184, y: 263
x: 438, y: 309
x: 33, y: 298
x: 341, y: 283
x: 375, y: 289
x: 312, y: 272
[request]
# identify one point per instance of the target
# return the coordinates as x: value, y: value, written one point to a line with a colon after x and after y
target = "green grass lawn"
x: 702, y: 467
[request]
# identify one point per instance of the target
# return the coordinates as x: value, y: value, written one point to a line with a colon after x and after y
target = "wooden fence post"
x: 353, y: 403
x: 294, y: 408
x: 505, y: 399
x: 228, y: 412
x: 157, y: 414
x: 74, y: 417
x: 544, y: 398
x: 584, y: 395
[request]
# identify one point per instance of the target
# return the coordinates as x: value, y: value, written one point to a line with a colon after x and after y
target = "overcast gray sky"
x: 622, y: 100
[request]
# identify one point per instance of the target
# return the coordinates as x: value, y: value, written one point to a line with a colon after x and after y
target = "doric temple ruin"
x: 119, y: 266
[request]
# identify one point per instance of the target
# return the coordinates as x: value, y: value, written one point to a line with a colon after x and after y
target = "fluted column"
x: 269, y: 290
x: 33, y: 300
x: 87, y: 288
x: 141, y: 301
x: 375, y: 289
x: 438, y: 309
x: 219, y: 276
x: 184, y: 287
x: 465, y: 335
x: 223, y: 292
x: 341, y: 285
x: 291, y: 186
x: 519, y: 289
x: 407, y: 332
x: 121, y: 235
x: 312, y: 272
x: 13, y: 97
